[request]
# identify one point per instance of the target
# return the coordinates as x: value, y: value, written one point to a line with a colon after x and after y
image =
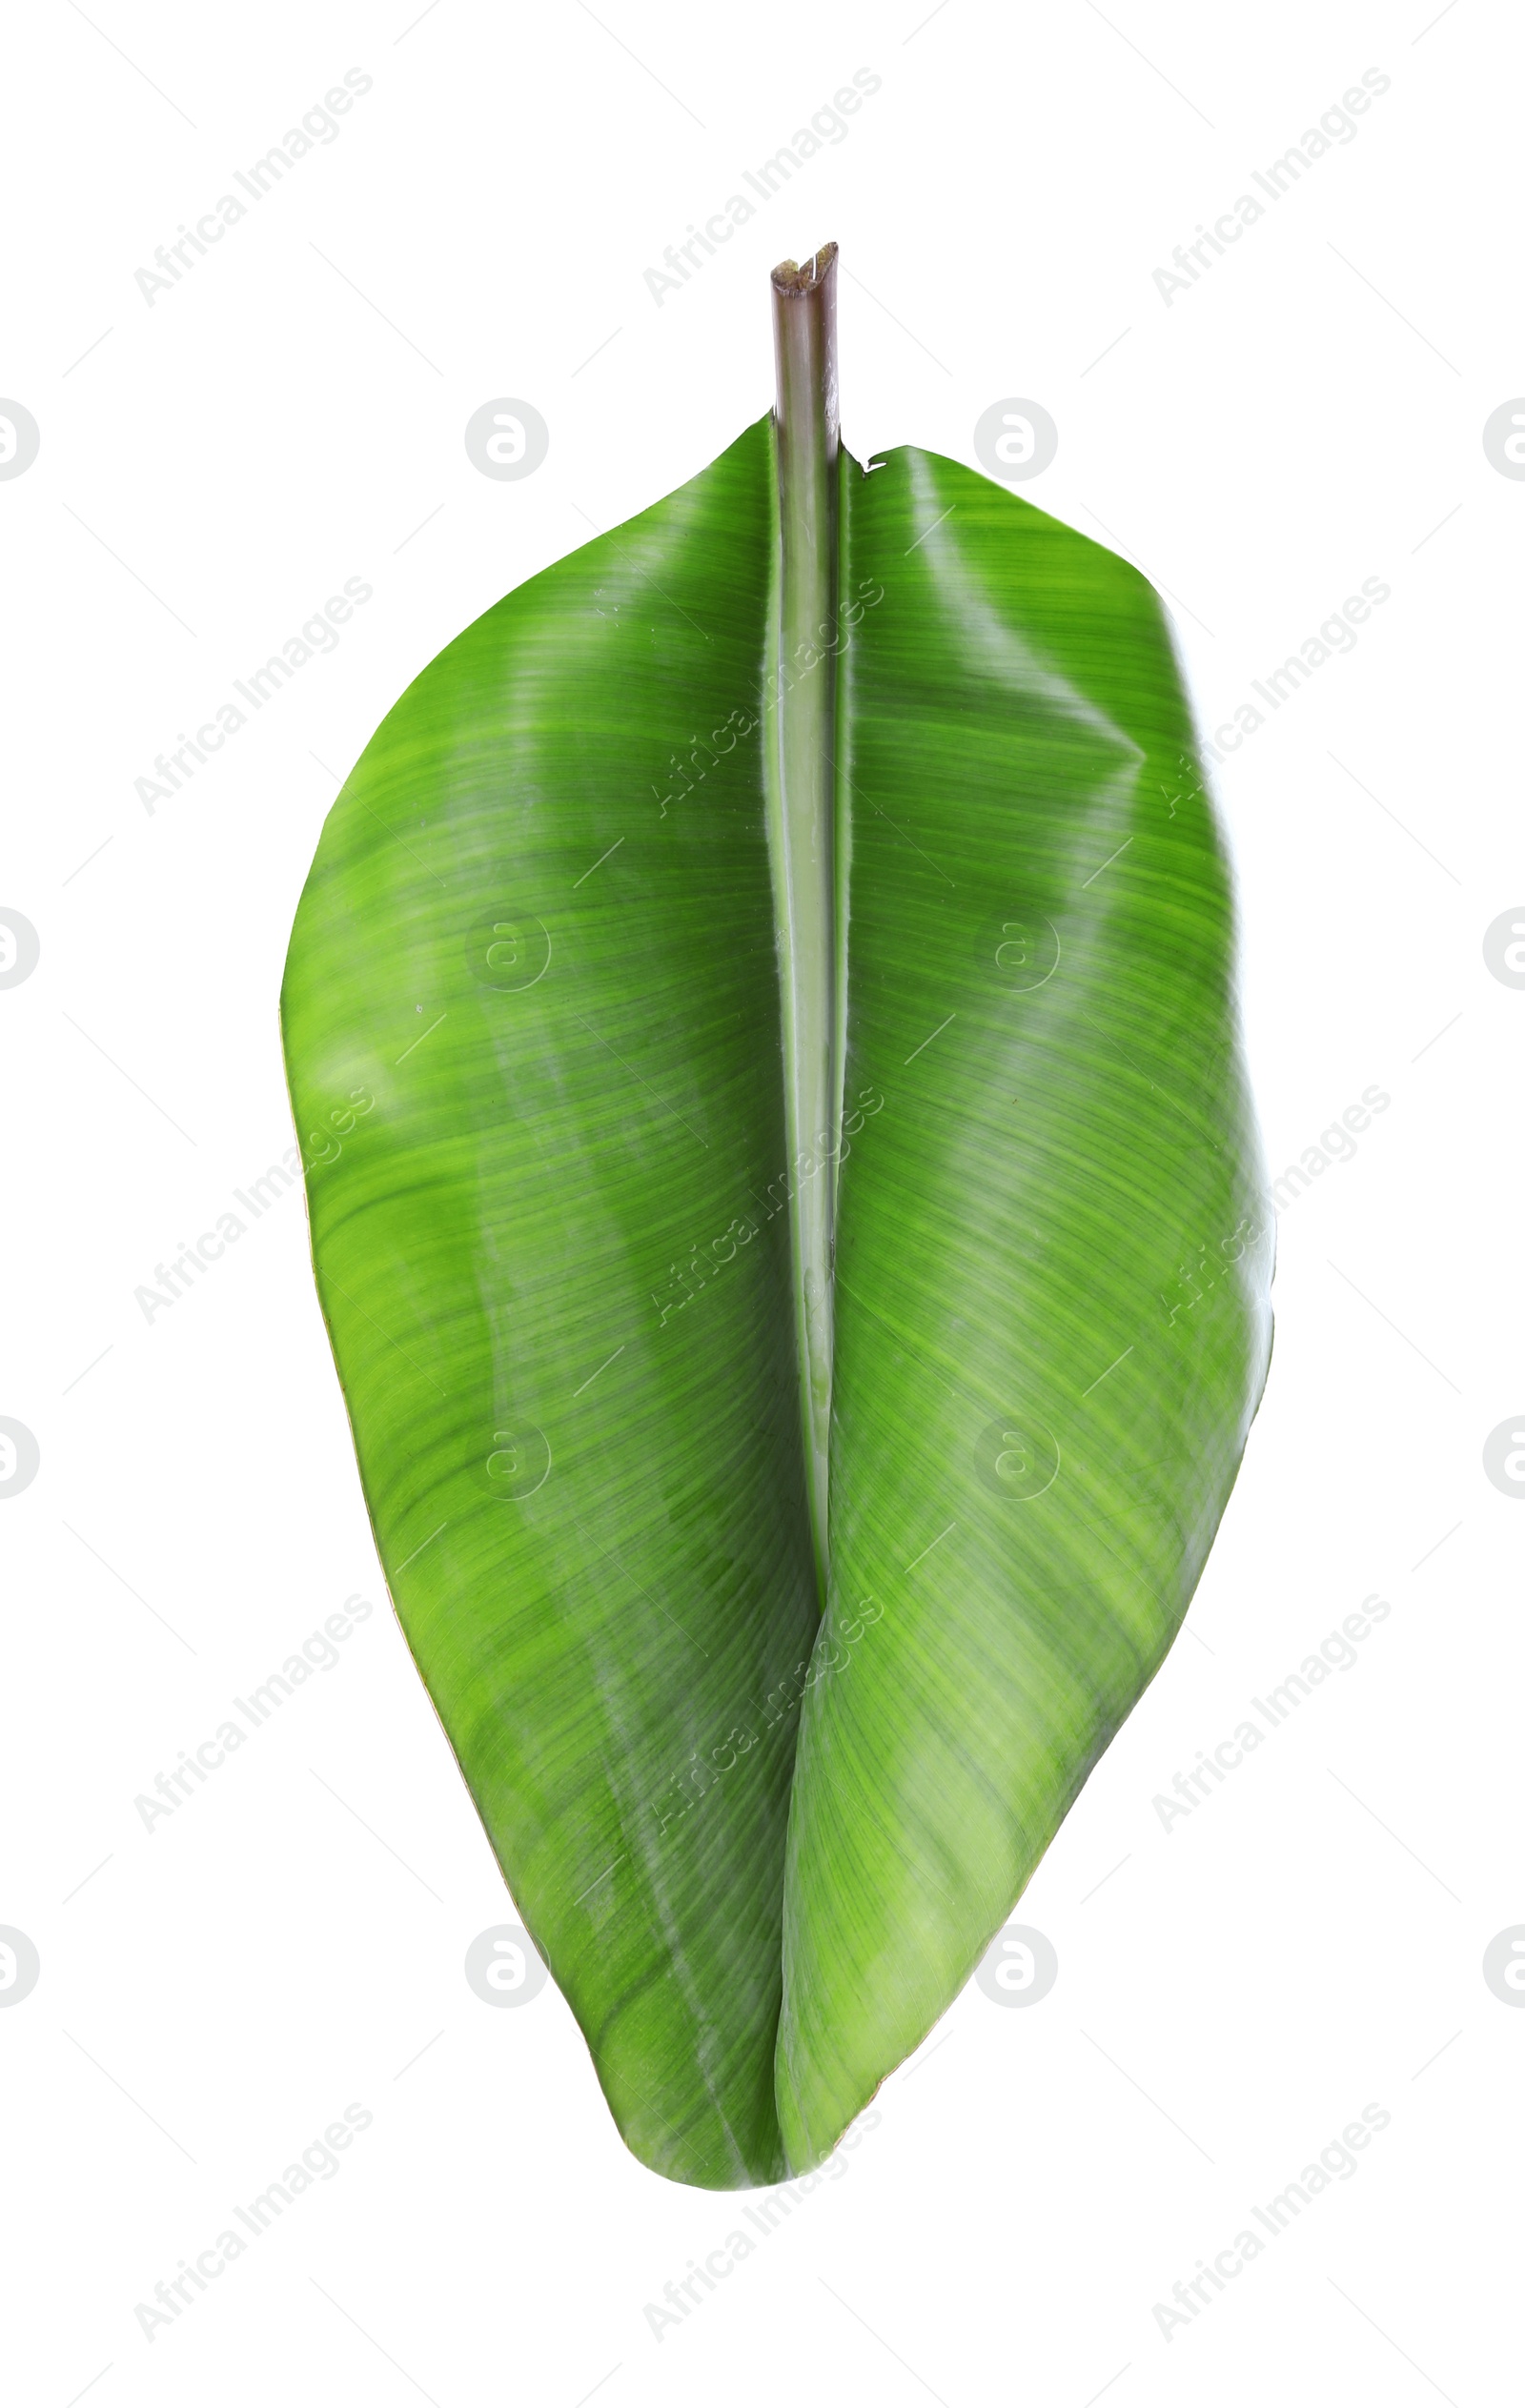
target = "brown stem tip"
x: 804, y: 346
x: 792, y: 279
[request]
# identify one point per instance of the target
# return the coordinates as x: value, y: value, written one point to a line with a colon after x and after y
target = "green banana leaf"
x: 773, y: 1659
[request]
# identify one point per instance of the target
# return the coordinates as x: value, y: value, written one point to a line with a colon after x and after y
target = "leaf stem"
x: 801, y: 779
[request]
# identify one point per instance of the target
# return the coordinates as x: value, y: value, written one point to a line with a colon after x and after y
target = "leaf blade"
x: 1008, y: 1223
x: 578, y: 1102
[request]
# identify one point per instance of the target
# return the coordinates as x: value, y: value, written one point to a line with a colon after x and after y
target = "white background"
x: 1231, y: 1992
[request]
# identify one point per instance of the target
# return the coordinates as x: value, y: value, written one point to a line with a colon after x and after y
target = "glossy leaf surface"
x: 533, y: 1027
x: 1053, y: 1266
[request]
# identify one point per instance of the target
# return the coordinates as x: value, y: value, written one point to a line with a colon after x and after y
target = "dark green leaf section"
x: 531, y: 1016
x: 1052, y: 1264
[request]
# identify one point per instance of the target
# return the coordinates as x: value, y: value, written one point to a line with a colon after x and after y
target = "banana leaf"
x: 786, y: 1204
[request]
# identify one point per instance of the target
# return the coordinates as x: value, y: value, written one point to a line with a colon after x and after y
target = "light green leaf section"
x: 535, y: 1037
x: 1052, y: 1261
